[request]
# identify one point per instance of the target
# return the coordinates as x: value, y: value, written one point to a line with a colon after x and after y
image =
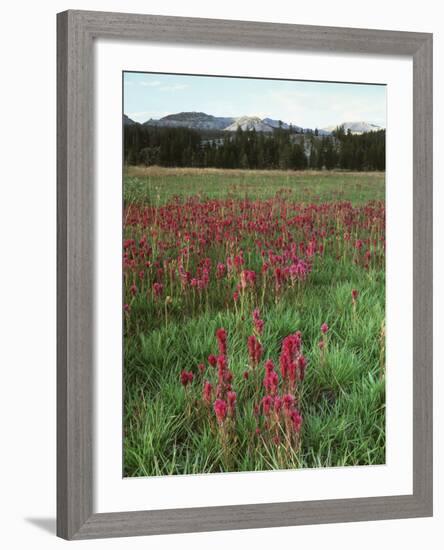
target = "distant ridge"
x: 356, y: 127
x: 249, y: 123
x: 194, y: 120
x: 202, y: 121
x: 127, y: 121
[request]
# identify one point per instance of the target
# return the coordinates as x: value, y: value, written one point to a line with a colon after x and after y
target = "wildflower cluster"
x: 275, y: 402
x: 181, y: 255
x: 244, y: 400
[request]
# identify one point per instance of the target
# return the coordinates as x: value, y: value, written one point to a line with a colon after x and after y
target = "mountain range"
x: 203, y: 121
x: 194, y: 120
x: 356, y: 127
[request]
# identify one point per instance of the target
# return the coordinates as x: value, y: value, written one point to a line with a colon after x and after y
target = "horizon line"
x: 235, y: 118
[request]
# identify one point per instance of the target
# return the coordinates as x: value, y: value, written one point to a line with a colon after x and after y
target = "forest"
x: 282, y: 149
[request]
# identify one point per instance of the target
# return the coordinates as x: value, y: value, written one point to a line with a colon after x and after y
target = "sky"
x: 302, y: 103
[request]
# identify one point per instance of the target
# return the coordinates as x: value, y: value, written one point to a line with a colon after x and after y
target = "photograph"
x: 253, y: 282
x: 220, y: 276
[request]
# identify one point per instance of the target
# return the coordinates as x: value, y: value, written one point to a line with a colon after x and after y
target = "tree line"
x: 281, y: 149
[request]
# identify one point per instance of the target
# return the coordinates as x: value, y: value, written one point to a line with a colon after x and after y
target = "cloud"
x: 174, y: 87
x: 150, y: 84
x: 315, y: 108
x: 165, y: 88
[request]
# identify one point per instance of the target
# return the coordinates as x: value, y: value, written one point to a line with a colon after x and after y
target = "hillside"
x: 200, y: 121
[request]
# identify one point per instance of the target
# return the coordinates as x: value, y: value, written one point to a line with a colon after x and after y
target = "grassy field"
x: 156, y: 185
x: 303, y: 252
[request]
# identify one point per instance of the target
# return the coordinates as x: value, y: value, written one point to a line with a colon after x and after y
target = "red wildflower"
x: 228, y: 377
x: 221, y: 336
x: 271, y: 379
x: 296, y: 420
x: 231, y: 398
x: 277, y: 404
x: 299, y: 270
x: 207, y: 392
x: 254, y: 350
x: 157, y: 289
x: 220, y: 408
x: 248, y: 278
x: 311, y: 248
x: 258, y: 322
x: 238, y: 260
x: 221, y: 269
x: 267, y: 403
x: 278, y: 278
x: 221, y: 363
x: 288, y: 401
x: 291, y: 348
x: 186, y: 377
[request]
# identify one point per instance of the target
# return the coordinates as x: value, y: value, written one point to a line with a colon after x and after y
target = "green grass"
x: 158, y: 185
x: 343, y: 394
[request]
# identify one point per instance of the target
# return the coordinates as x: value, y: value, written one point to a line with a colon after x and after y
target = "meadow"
x: 254, y: 320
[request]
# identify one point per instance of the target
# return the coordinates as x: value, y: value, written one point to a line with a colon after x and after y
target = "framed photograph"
x: 244, y: 275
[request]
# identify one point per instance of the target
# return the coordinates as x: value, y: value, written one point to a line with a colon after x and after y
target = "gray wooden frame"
x: 76, y: 32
